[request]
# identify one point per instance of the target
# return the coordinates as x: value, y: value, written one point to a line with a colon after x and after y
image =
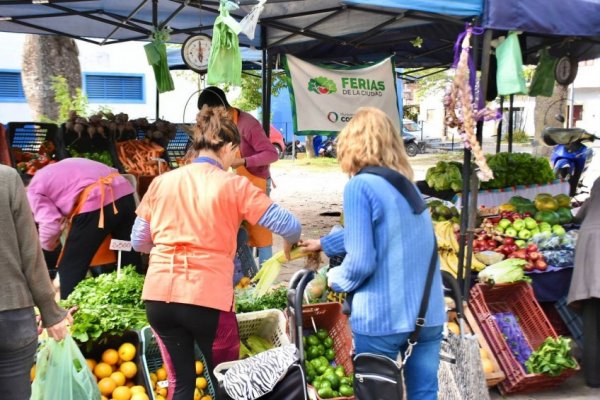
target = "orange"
x: 162, y: 392
x: 138, y: 389
x: 201, y: 383
x: 127, y: 351
x: 130, y: 383
x: 483, y: 353
x: 159, y: 397
x: 106, y: 386
x: 121, y: 393
x: 102, y: 370
x: 199, y: 367
x: 103, y: 398
x: 140, y: 396
x: 453, y: 327
x: 129, y: 369
x: 197, y: 394
x: 487, y: 365
x: 118, y: 377
x: 153, y: 379
x: 161, y: 374
x: 206, y: 397
x: 110, y: 356
x: 91, y: 363
x: 32, y: 373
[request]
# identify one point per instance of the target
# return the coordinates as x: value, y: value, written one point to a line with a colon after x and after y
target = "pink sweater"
x: 256, y: 147
x: 55, y: 189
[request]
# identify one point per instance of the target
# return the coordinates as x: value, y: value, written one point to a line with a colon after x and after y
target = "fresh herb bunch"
x: 552, y: 357
x: 245, y: 301
x: 102, y: 156
x: 511, y: 169
x: 107, y: 305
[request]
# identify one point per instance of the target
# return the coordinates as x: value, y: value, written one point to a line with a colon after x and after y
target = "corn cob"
x: 270, y: 269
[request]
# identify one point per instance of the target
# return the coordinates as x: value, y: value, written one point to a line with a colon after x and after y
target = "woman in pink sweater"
x: 93, y: 201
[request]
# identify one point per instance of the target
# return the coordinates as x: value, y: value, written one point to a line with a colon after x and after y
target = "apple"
x: 527, y: 214
x: 524, y: 234
x: 504, y: 223
x: 529, y: 267
x: 495, y: 220
x: 492, y: 244
x: 509, y: 240
x: 534, y: 255
x: 535, y: 231
x: 541, y: 265
x: 545, y: 227
x: 512, y: 247
x: 521, y: 253
x: 518, y: 224
x: 521, y: 243
x: 516, y: 215
x: 532, y: 247
x: 510, y: 231
x: 530, y: 223
x: 558, y: 230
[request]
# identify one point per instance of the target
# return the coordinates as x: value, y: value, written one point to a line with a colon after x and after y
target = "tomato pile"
x: 29, y: 163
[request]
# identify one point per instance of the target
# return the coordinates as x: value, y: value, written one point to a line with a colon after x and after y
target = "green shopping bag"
x: 62, y: 373
x: 509, y: 76
x: 542, y: 83
x: 225, y: 60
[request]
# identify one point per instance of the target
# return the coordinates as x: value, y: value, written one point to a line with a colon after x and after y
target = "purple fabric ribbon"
x: 474, y: 30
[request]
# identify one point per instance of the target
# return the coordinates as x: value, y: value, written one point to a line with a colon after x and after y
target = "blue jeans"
x: 264, y: 253
x: 18, y: 344
x: 420, y: 371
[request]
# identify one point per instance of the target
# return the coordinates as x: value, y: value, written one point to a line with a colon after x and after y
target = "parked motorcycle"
x: 327, y: 148
x: 570, y: 157
x: 300, y: 148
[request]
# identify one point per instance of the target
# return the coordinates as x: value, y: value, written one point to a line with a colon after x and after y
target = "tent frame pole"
x: 511, y: 127
x: 499, y: 130
x: 266, y: 82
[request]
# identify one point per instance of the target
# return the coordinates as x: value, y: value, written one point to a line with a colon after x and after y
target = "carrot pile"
x: 139, y: 157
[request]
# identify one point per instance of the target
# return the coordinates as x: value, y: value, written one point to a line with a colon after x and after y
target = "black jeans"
x: 85, y: 238
x: 178, y: 327
x: 18, y: 343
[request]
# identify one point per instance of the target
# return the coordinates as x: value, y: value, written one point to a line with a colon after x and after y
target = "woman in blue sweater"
x: 388, y: 251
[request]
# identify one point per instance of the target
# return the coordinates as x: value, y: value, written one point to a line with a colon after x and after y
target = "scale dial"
x: 195, y: 52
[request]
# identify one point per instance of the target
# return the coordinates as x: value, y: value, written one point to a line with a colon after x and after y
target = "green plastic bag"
x: 509, y: 76
x: 62, y: 373
x: 225, y: 60
x: 542, y: 83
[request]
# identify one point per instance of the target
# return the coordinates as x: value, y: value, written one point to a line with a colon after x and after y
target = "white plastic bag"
x: 248, y: 23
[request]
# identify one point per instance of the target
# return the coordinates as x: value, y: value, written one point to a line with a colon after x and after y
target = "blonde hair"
x: 214, y: 129
x: 370, y: 139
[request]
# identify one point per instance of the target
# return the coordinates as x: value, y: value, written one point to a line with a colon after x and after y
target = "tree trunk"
x: 45, y: 57
x: 310, y: 150
x: 546, y: 108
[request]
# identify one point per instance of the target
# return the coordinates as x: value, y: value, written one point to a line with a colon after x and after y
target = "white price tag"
x: 120, y: 245
x: 162, y: 384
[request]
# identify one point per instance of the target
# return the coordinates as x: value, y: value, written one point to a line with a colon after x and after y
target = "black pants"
x: 179, y: 326
x: 591, y: 345
x: 85, y: 239
x: 18, y: 343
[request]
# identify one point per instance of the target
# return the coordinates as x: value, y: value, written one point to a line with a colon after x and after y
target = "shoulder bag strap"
x: 407, y: 189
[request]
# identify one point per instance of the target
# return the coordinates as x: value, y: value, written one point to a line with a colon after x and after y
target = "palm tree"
x: 43, y: 58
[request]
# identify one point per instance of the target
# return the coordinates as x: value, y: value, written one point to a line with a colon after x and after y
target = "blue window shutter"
x: 114, y: 87
x: 11, y: 86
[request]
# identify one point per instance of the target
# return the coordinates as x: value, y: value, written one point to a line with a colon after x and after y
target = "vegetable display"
x: 511, y: 169
x: 28, y: 162
x: 329, y: 380
x: 448, y: 247
x: 103, y: 157
x: 441, y: 212
x: 552, y: 357
x: 445, y: 176
x: 507, y: 322
x: 254, y: 345
x: 246, y: 301
x: 141, y: 157
x: 107, y: 305
x: 506, y: 271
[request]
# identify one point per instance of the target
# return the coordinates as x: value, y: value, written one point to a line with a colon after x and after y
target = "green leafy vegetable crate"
x: 517, y: 298
x: 151, y: 360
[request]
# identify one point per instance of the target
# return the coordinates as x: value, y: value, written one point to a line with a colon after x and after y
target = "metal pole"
x: 499, y: 131
x: 266, y: 82
x: 511, y: 100
x: 155, y: 25
x: 570, y: 122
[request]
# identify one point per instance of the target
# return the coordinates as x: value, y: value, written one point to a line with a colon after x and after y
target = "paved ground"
x: 310, y: 188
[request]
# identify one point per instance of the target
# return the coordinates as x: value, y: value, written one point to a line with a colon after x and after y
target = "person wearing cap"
x: 95, y: 203
x: 256, y: 155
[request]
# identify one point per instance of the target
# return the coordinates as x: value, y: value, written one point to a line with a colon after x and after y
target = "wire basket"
x: 518, y: 299
x: 177, y: 147
x: 151, y: 360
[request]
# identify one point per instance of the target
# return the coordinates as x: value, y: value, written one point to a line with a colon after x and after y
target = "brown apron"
x: 103, y: 255
x: 258, y: 235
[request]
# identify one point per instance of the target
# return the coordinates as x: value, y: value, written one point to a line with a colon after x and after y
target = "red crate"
x: 518, y: 299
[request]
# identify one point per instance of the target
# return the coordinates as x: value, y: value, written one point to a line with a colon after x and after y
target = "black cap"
x: 212, y: 96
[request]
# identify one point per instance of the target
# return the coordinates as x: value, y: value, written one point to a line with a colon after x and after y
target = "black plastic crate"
x: 85, y: 144
x: 177, y: 147
x: 29, y: 136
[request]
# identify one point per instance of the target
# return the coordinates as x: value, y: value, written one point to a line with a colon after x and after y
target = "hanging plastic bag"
x: 156, y: 53
x: 62, y: 373
x: 542, y: 83
x: 248, y: 23
x: 225, y: 61
x: 510, y: 77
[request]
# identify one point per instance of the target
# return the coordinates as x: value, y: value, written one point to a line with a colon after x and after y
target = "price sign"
x: 120, y: 245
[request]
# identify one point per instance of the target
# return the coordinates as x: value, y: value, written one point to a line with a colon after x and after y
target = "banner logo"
x: 333, y: 117
x: 322, y: 85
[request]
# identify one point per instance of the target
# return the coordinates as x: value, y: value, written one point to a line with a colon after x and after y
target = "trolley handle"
x: 295, y: 295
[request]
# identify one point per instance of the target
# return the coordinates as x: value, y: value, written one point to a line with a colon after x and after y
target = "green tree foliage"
x: 66, y: 102
x: 429, y: 80
x: 251, y: 96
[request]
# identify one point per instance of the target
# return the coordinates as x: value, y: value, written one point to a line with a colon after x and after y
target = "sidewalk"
x: 572, y: 389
